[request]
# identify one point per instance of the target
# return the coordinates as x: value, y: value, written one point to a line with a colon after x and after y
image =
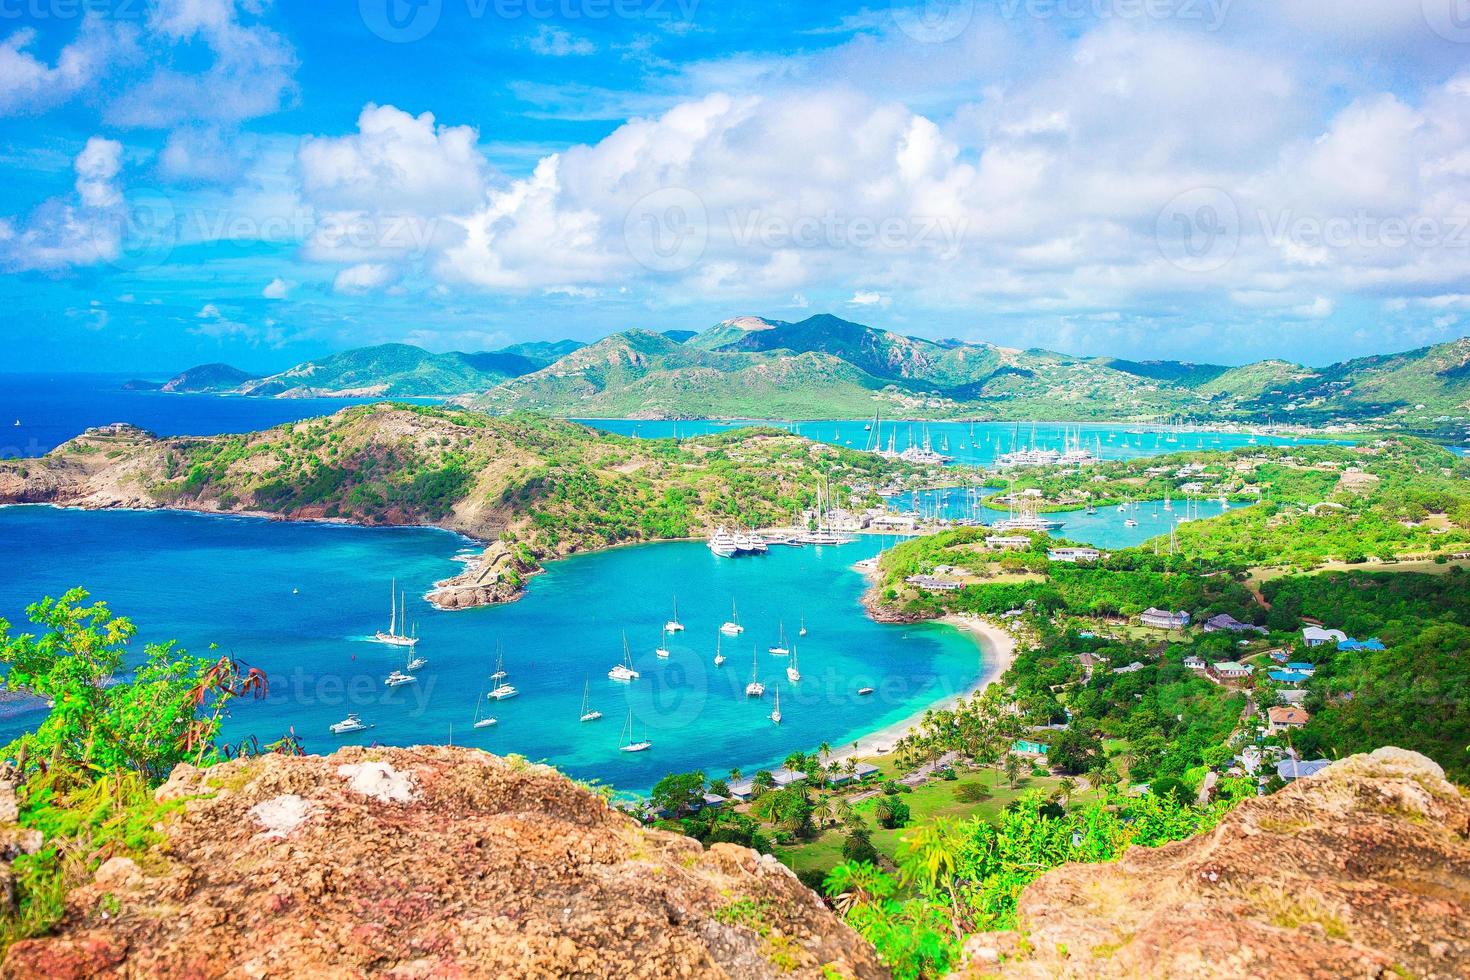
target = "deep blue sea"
x: 300, y: 600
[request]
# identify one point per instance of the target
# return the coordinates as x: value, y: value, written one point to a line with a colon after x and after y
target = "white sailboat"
x: 776, y: 712
x: 733, y: 627
x: 628, y: 744
x: 588, y: 712
x: 780, y: 649
x: 662, y: 650
x: 502, y: 692
x: 719, y: 657
x: 673, y: 625
x: 482, y: 720
x: 500, y: 673
x: 755, y: 688
x: 395, y: 621
x: 792, y: 673
x: 802, y: 631
x: 624, y: 671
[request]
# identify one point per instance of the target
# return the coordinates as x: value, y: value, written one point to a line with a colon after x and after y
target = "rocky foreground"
x: 1360, y: 871
x: 431, y: 862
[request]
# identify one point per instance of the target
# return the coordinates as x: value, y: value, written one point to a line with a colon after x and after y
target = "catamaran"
x: 780, y: 649
x: 348, y: 725
x: 588, y: 713
x: 398, y: 678
x: 755, y: 688
x: 673, y: 625
x: 395, y: 621
x: 628, y: 744
x: 776, y: 712
x: 792, y: 673
x: 733, y: 627
x: 719, y: 657
x: 624, y: 671
x: 502, y: 692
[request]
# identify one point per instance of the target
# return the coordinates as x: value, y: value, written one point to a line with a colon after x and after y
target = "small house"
x: 1315, y: 636
x: 1281, y: 718
x: 1230, y: 670
x: 1225, y: 622
x: 1073, y: 555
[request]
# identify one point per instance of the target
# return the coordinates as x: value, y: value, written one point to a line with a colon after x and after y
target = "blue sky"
x: 257, y: 182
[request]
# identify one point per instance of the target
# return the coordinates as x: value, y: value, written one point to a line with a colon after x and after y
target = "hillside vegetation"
x: 542, y: 488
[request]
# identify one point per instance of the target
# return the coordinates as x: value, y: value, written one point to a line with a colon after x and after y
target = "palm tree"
x: 1012, y: 769
x: 824, y: 750
x: 734, y: 775
x: 1068, y: 786
x: 795, y: 761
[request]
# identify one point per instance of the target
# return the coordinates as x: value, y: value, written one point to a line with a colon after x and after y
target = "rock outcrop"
x: 431, y: 862
x: 1360, y: 871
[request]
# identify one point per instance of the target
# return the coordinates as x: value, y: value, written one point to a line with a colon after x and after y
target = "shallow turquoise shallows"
x: 978, y: 443
x: 301, y: 600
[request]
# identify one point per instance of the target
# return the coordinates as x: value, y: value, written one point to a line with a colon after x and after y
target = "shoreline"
x: 999, y: 650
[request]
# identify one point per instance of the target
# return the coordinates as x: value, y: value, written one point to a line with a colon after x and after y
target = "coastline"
x: 999, y: 650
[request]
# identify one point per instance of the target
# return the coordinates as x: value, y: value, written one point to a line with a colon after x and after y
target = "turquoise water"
x: 234, y: 582
x: 976, y: 444
x: 1104, y: 529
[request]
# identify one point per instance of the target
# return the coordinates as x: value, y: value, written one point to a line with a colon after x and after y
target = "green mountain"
x: 648, y: 375
x: 1417, y: 387
x: 395, y: 370
x: 206, y: 378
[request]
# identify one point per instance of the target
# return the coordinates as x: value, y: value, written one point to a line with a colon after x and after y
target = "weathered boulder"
x: 1360, y: 871
x: 431, y: 861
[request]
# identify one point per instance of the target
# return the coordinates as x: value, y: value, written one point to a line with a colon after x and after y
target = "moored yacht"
x: 776, y: 712
x: 398, y: 678
x: 673, y: 625
x: 628, y: 744
x: 780, y: 649
x: 719, y: 657
x: 396, y: 622
x: 624, y: 671
x: 733, y: 627
x: 352, y: 723
x: 588, y: 712
x: 502, y: 692
x: 723, y: 543
x: 755, y: 688
x: 792, y: 673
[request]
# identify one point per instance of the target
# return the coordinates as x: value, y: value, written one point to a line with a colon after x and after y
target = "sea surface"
x: 301, y: 600
x: 52, y: 408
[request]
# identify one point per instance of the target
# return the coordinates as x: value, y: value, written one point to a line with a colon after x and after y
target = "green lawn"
x: 935, y: 798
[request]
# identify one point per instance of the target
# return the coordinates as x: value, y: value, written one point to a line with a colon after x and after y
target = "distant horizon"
x: 276, y: 365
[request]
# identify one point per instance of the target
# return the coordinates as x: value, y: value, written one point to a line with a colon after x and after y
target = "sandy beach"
x: 999, y: 648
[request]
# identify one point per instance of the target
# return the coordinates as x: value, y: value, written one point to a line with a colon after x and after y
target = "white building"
x: 1164, y: 619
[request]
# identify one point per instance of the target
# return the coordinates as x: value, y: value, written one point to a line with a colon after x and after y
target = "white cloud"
x: 363, y: 278
x: 29, y: 85
x: 557, y: 43
x: 277, y: 288
x: 861, y: 298
x: 59, y: 233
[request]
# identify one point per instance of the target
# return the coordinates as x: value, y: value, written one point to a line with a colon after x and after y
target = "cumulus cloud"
x: 277, y: 288
x: 365, y: 277
x: 61, y: 233
x: 29, y: 85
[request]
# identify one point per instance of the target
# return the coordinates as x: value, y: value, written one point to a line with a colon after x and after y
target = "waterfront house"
x: 1073, y: 555
x: 1284, y: 717
x: 1230, y: 670
x: 1228, y: 623
x: 1164, y: 619
x: 932, y: 583
x: 860, y: 772
x: 1289, y: 769
x: 1315, y: 636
